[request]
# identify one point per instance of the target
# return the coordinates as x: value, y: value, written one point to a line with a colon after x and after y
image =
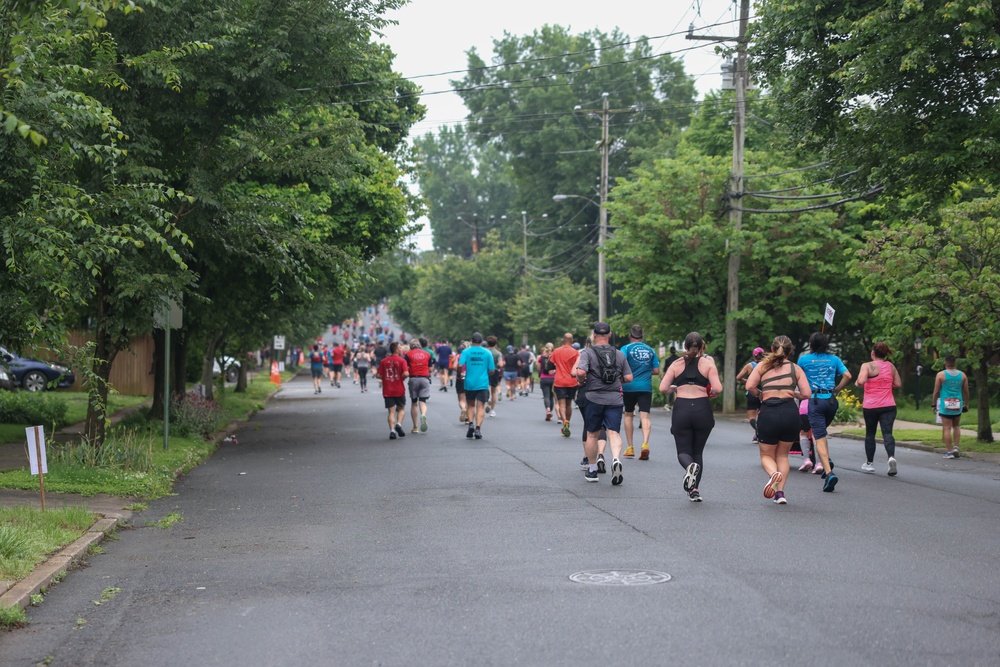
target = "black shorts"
x: 644, y: 399
x: 459, y: 385
x: 525, y: 373
x: 566, y: 393
x: 778, y: 421
x: 317, y: 371
x: 804, y: 423
x: 495, y: 378
x: 337, y: 368
x: 753, y: 402
x: 477, y: 396
x: 395, y: 401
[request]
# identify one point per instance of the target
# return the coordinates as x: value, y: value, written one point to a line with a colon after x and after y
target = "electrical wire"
x: 817, y: 207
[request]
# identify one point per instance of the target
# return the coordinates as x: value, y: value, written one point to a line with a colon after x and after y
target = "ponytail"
x: 781, y: 350
x: 694, y: 345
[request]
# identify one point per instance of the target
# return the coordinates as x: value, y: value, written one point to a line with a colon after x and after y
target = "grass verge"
x: 28, y: 535
x: 933, y: 438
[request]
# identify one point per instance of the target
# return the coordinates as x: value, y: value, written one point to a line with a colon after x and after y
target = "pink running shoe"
x: 806, y: 466
x: 818, y: 469
x: 769, y: 489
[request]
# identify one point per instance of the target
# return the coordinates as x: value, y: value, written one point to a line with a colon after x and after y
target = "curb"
x: 19, y: 595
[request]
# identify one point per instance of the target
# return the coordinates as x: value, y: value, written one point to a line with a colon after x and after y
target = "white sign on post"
x: 279, y: 342
x: 36, y: 449
x: 830, y: 312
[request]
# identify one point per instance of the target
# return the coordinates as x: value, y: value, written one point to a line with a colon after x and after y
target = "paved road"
x: 318, y: 541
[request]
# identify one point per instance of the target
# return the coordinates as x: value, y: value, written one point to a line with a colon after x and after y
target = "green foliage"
x: 27, y: 535
x: 12, y: 617
x: 848, y: 409
x: 192, y: 415
x: 905, y: 92
x: 31, y: 408
x: 123, y: 449
x: 548, y: 309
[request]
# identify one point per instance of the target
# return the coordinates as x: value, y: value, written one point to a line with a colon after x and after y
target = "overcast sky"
x: 432, y: 37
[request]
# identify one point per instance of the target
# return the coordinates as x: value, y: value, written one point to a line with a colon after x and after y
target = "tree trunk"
x: 241, y: 380
x: 178, y: 384
x: 105, y: 351
x: 206, y: 364
x: 984, y: 431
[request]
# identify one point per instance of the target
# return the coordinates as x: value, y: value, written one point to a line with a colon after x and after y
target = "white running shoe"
x: 493, y: 413
x: 892, y: 466
x: 867, y: 467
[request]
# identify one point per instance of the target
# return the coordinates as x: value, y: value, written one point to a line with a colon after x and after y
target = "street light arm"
x: 565, y: 197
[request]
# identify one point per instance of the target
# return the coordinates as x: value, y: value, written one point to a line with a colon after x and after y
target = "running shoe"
x: 565, y: 429
x: 478, y: 435
x: 600, y: 464
x: 629, y: 452
x: 831, y: 481
x: 548, y: 416
x: 769, y: 489
x: 423, y: 423
x: 644, y: 452
x: 818, y: 468
x: 585, y: 463
x: 414, y: 430
x: 867, y: 467
x: 806, y: 466
x: 400, y: 431
x: 470, y: 433
x: 616, y: 472
x: 590, y: 475
x: 392, y: 435
x: 955, y: 452
x: 462, y: 418
x: 493, y: 413
x: 892, y: 466
x: 691, y: 477
x: 949, y: 455
x: 694, y: 496
x: 779, y: 498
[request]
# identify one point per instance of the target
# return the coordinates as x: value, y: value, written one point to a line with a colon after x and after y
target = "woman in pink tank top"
x: 879, y: 378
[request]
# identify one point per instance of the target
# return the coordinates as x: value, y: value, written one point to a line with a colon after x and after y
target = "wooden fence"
x: 131, y: 371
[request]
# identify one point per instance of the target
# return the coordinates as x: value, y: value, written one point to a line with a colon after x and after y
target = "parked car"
x: 35, y: 375
x: 231, y: 365
x: 6, y: 379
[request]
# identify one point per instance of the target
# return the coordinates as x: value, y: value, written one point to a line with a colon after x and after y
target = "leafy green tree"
x: 549, y: 308
x: 904, y: 92
x: 939, y: 276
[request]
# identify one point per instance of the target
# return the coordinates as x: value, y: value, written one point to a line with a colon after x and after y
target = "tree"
x: 904, y: 92
x: 549, y: 308
x: 940, y: 276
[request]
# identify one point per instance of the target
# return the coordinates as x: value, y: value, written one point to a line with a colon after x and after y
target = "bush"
x: 849, y: 410
x: 123, y: 449
x: 193, y: 415
x: 30, y: 408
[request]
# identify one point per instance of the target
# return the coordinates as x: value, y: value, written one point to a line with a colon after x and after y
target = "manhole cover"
x: 620, y: 577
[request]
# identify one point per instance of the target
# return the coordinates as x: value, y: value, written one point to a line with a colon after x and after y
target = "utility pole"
x: 735, y: 212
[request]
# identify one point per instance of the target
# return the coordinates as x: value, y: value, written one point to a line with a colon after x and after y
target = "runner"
x: 564, y: 358
x: 476, y: 363
x: 463, y: 406
x: 419, y: 364
x: 363, y: 360
x: 444, y: 353
x: 753, y: 403
x: 378, y: 354
x: 337, y: 358
x: 526, y: 371
x: 879, y: 378
x: 547, y: 378
x: 822, y: 369
x: 668, y: 406
x: 497, y: 374
x: 951, y: 386
x: 511, y: 371
x: 811, y: 462
x: 602, y: 438
x: 316, y: 368
x: 392, y: 371
x: 695, y: 380
x: 603, y: 369
x: 645, y: 364
x: 777, y: 382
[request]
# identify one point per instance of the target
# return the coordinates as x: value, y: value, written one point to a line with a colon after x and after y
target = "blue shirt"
x: 642, y: 360
x: 822, y: 370
x: 478, y: 362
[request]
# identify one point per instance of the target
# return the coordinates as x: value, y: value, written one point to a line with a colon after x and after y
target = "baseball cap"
x: 576, y: 346
x: 477, y: 338
x: 602, y: 329
x: 758, y: 350
x: 636, y: 331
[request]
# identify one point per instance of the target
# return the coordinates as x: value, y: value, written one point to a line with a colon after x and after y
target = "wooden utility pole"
x: 735, y: 213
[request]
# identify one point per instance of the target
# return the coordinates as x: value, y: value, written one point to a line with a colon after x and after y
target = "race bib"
x: 952, y: 404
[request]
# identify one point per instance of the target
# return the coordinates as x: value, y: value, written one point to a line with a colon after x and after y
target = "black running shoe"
x: 600, y: 464
x: 585, y: 463
x: 478, y: 435
x: 590, y: 475
x: 392, y: 435
x: 470, y: 433
x: 400, y: 431
x: 694, y: 496
x: 616, y: 472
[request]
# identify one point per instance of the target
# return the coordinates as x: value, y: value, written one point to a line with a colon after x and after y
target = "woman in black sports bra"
x: 695, y: 379
x: 777, y: 381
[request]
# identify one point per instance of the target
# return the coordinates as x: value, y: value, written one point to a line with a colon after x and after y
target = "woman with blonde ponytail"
x: 777, y: 382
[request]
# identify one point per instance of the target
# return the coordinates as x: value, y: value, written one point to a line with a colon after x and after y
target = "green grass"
x: 28, y: 535
x: 76, y: 411
x: 933, y: 437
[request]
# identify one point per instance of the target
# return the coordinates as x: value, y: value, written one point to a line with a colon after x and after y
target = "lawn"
x: 933, y: 437
x: 76, y: 411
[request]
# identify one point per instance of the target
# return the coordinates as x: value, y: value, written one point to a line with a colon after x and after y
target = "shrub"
x: 29, y: 408
x: 849, y: 410
x: 123, y: 449
x: 195, y: 415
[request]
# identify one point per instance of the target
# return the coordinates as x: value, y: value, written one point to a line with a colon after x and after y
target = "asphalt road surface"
x: 318, y: 541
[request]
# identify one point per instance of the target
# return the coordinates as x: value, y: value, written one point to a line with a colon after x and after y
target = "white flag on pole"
x: 830, y: 312
x: 34, y: 452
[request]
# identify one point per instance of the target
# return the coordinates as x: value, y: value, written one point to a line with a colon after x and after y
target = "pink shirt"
x: 878, y: 389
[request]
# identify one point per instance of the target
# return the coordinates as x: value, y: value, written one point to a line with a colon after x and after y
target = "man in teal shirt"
x: 477, y: 362
x: 644, y: 362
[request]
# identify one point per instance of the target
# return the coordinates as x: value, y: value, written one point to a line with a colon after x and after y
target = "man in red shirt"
x: 392, y: 371
x: 337, y: 360
x: 565, y: 357
x: 419, y: 362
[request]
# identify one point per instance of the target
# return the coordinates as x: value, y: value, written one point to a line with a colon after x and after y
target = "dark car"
x: 36, y: 375
x: 6, y: 379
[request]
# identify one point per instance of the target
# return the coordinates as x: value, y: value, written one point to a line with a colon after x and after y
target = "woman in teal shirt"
x: 951, y: 399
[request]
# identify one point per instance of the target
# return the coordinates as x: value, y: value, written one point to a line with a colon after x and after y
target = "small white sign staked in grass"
x: 37, y: 458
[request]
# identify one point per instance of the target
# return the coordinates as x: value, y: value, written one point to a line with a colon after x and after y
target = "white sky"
x: 432, y: 37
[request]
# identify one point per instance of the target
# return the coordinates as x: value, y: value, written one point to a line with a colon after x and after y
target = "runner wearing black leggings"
x: 695, y: 380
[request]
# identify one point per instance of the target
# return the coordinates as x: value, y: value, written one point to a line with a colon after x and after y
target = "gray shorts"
x: 420, y: 388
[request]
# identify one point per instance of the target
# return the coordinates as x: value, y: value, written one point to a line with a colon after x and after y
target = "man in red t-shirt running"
x: 419, y: 362
x: 337, y: 360
x: 565, y: 357
x: 393, y: 372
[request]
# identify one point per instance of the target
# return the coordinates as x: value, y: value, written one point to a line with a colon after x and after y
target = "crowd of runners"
x: 791, y: 401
